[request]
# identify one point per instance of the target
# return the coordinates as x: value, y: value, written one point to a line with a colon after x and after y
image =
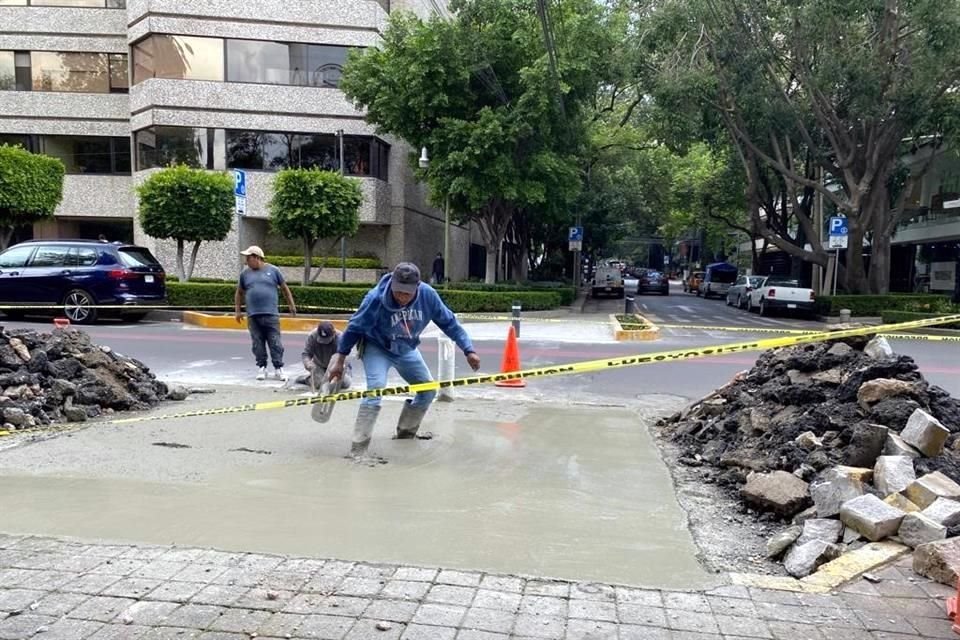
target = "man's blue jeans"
x: 410, y: 366
x: 265, y: 332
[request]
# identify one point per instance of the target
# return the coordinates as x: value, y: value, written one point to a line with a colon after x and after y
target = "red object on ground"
x: 61, y: 323
x: 511, y: 361
x: 952, y: 609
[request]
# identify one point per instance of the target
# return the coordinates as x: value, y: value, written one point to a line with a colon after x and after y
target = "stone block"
x: 779, y: 491
x: 938, y: 561
x: 782, y: 541
x: 899, y: 501
x: 861, y: 474
x: 893, y: 474
x: 808, y: 441
x: 824, y: 529
x: 804, y: 559
x: 872, y: 517
x: 804, y: 515
x: 895, y: 446
x: 878, y: 348
x: 840, y: 349
x: 925, y: 432
x: 924, y: 491
x: 917, y: 529
x: 944, y: 511
x: 831, y: 490
x: 866, y: 444
x: 850, y: 535
x: 873, y: 391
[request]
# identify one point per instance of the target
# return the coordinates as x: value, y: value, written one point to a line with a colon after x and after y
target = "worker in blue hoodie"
x: 387, y: 326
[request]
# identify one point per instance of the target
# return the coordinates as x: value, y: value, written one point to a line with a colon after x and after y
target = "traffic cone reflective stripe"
x: 511, y: 361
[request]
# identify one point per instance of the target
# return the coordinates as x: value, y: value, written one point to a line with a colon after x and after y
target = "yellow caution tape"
x: 740, y: 329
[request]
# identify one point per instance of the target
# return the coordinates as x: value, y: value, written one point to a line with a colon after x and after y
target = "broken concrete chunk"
x: 804, y: 515
x: 895, y: 446
x: 893, y: 474
x: 840, y: 349
x: 878, y: 348
x: 899, y: 501
x: 861, y: 474
x: 782, y: 541
x: 917, y: 529
x: 925, y: 432
x: 779, y: 491
x: 944, y: 511
x: 938, y: 561
x: 872, y: 517
x: 804, y: 559
x: 808, y: 441
x: 20, y: 349
x: 866, y: 444
x: 831, y: 490
x: 873, y: 391
x: 850, y: 535
x: 821, y: 529
x: 832, y: 376
x: 925, y: 490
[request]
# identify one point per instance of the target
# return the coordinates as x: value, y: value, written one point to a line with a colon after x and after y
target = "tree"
x: 187, y: 205
x: 31, y: 188
x: 497, y: 109
x: 311, y: 204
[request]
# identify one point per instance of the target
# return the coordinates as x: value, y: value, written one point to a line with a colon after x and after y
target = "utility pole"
x: 343, y: 239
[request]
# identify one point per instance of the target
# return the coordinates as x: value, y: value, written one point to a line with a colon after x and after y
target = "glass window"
x: 17, y: 140
x: 21, y: 61
x: 49, y: 256
x: 317, y: 65
x: 317, y: 151
x: 15, y: 257
x: 8, y: 71
x: 80, y: 154
x: 119, y: 82
x: 81, y: 257
x: 356, y: 154
x: 137, y: 257
x: 178, y: 57
x: 256, y: 61
x: 68, y: 71
x: 121, y: 155
x: 116, y: 4
x: 163, y: 146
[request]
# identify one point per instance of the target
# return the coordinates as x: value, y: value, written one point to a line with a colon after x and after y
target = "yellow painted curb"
x: 629, y: 335
x: 777, y: 583
x: 218, y: 321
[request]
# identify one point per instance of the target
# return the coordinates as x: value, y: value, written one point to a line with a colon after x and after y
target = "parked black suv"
x: 79, y: 275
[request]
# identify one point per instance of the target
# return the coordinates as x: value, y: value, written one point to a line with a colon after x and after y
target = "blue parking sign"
x: 838, y: 226
x: 576, y: 234
x: 239, y: 183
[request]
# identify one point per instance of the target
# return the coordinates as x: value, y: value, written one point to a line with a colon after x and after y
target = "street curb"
x: 634, y: 335
x: 828, y: 577
x: 228, y: 322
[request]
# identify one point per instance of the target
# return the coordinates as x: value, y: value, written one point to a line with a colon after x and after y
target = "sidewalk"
x: 57, y: 589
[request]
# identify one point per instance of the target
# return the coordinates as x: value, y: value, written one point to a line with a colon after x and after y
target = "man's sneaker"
x: 262, y: 373
x: 281, y: 375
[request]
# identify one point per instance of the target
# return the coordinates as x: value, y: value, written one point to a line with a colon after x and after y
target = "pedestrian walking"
x: 257, y: 287
x: 319, y: 349
x: 439, y: 269
x: 387, y: 326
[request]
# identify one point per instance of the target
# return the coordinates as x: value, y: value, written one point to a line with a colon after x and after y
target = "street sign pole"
x: 837, y: 240
x: 240, y: 206
x: 575, y: 237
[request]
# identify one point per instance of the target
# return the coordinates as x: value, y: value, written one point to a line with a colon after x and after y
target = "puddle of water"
x: 570, y: 493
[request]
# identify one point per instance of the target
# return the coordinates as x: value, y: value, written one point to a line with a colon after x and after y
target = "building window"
x: 89, y: 154
x: 119, y: 78
x: 76, y: 72
x: 163, y: 146
x: 317, y: 65
x: 26, y: 141
x: 8, y: 71
x: 109, y: 4
x: 178, y: 57
x: 257, y: 61
x: 363, y: 156
x: 21, y: 61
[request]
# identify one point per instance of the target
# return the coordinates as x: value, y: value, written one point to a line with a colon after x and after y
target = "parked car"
x: 79, y: 275
x: 608, y: 281
x: 779, y: 293
x: 692, y: 283
x: 739, y: 293
x: 651, y: 281
x: 717, y: 279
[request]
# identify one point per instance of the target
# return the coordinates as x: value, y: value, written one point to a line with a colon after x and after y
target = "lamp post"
x: 343, y: 239
x: 424, y: 163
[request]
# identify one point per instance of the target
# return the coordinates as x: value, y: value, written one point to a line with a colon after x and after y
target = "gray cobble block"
x: 23, y: 626
x: 101, y: 608
x: 441, y: 615
x: 747, y: 627
x: 204, y: 573
x: 343, y: 606
x: 19, y: 599
x: 686, y: 601
x: 118, y: 567
x: 322, y: 584
x: 925, y: 432
x: 305, y: 603
x: 391, y: 610
x: 460, y: 578
x: 489, y: 620
x: 148, y: 614
x: 368, y: 630
x: 131, y: 588
x: 223, y: 558
x: 79, y: 564
x: 543, y: 606
x: 474, y: 634
x: 642, y: 615
x: 427, y: 632
x: 194, y: 616
x: 373, y: 571
x: 591, y: 630
x: 325, y: 627
x: 220, y: 595
x: 549, y: 627
x: 415, y: 574
x: 593, y: 610
x: 646, y: 597
x: 146, y: 553
x: 67, y: 629
x: 293, y: 581
x: 101, y: 550
x: 239, y: 577
x: 547, y: 588
x: 502, y: 583
x: 175, y: 591
x: 59, y: 604
x: 448, y: 594
x: 405, y: 590
x: 281, y: 625
x: 699, y: 621
x: 171, y: 633
x: 264, y: 600
x: 499, y: 600
x: 91, y: 584
x: 783, y: 630
x: 337, y: 568
x: 635, y: 632
x: 885, y: 621
x: 119, y: 632
x: 845, y: 633
x: 240, y: 620
x: 593, y: 591
x: 49, y: 580
x: 182, y: 555
x: 352, y: 586
x: 222, y: 635
x: 732, y: 606
x: 938, y: 627
x: 159, y: 570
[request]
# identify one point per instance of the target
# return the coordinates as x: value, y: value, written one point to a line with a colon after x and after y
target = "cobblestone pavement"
x: 56, y: 589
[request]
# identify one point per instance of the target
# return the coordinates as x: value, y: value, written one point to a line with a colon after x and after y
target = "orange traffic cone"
x: 952, y: 606
x: 511, y: 361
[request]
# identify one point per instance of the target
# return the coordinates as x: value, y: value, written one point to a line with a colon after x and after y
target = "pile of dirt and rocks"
x: 47, y: 378
x: 844, y: 441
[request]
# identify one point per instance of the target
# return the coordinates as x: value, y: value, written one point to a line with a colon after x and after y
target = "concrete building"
x: 118, y: 88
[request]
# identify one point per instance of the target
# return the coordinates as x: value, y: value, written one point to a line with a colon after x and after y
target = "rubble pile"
x: 47, y: 378
x: 843, y: 441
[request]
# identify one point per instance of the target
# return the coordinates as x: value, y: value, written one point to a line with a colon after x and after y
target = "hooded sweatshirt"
x: 395, y: 329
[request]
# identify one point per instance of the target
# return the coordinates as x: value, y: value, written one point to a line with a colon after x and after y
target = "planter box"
x: 332, y: 274
x: 652, y: 332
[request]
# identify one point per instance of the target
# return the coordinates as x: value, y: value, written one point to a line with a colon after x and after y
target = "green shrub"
x: 31, y: 187
x: 890, y: 317
x: 331, y: 263
x: 196, y: 295
x: 567, y: 294
x: 875, y: 305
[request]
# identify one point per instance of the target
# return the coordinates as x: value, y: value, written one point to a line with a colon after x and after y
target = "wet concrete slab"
x: 549, y: 489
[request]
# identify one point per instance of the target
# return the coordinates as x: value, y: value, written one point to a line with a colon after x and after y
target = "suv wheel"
x: 80, y: 307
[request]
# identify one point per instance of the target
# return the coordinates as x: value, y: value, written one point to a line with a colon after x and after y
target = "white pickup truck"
x: 781, y: 293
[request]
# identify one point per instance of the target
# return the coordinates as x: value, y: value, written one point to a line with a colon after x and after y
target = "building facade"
x: 120, y: 88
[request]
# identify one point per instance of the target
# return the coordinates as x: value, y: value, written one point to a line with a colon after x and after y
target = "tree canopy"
x: 31, y: 188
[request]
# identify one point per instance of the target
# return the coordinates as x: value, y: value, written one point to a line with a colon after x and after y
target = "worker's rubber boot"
x: 408, y: 427
x: 363, y: 429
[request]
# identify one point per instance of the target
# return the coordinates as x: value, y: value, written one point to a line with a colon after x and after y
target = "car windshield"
x: 781, y: 282
x: 137, y: 257
x: 754, y: 281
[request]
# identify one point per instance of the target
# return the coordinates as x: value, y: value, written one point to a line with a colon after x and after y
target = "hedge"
x: 890, y: 316
x: 352, y: 263
x: 874, y: 305
x: 196, y: 295
x: 567, y: 294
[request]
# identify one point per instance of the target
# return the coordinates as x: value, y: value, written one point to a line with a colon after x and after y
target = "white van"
x: 608, y: 281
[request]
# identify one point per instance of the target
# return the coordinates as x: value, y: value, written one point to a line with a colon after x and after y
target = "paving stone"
x: 218, y: 594
x: 593, y: 610
x: 131, y: 588
x: 486, y: 598
x: 780, y: 542
x: 281, y: 625
x: 938, y: 627
x: 159, y: 570
x: 591, y: 630
x: 895, y: 446
x: 172, y: 633
x: 118, y: 567
x: 334, y: 606
x: 917, y: 529
x: 196, y: 616
x: 327, y: 627
x: 240, y: 620
x: 415, y: 574
x: 473, y: 634
x: 240, y: 577
x: 686, y: 601
x: 59, y: 604
x: 67, y: 629
x: 543, y: 606
x: 944, y: 511
x: 489, y: 620
x: 642, y: 615
x: 737, y: 626
x: 681, y: 620
x: 938, y: 561
x: 831, y: 490
x: 405, y: 590
x: 502, y: 583
x: 337, y: 568
x: 637, y: 632
x: 845, y: 633
x: 646, y: 597
x: 925, y: 433
x: 900, y: 501
x: 23, y: 626
x: 120, y: 632
x: 49, y: 580
x: 222, y: 635
x: 357, y: 586
x: 804, y: 559
x: 101, y: 608
x: 779, y: 491
x: 732, y: 606
x: 264, y: 600
x: 372, y: 571
x: 19, y: 599
x: 793, y: 631
x: 446, y: 594
x: 885, y: 621
x: 175, y: 591
x: 893, y: 474
x: 428, y: 632
x: 593, y: 591
x: 391, y: 610
x: 550, y: 627
x: 91, y: 584
x: 441, y: 615
x: 460, y: 578
x: 182, y: 555
x: 323, y: 584
x: 926, y: 489
x: 148, y: 613
x: 872, y: 517
x: 205, y: 573
x: 291, y: 581
x: 547, y: 588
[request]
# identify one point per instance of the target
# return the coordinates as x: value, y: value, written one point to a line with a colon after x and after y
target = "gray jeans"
x: 265, y: 333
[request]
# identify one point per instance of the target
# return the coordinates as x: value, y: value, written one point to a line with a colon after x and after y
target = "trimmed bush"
x: 890, y: 317
x: 873, y: 305
x: 297, y: 261
x: 567, y: 294
x: 198, y: 295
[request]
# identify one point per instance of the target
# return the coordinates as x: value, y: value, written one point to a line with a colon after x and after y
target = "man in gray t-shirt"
x: 258, y: 287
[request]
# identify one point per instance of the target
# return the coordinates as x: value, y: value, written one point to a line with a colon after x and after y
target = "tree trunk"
x: 5, y: 237
x: 879, y: 272
x: 491, y: 272
x: 308, y: 245
x: 193, y: 259
x: 523, y: 270
x: 856, y: 275
x: 181, y: 272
